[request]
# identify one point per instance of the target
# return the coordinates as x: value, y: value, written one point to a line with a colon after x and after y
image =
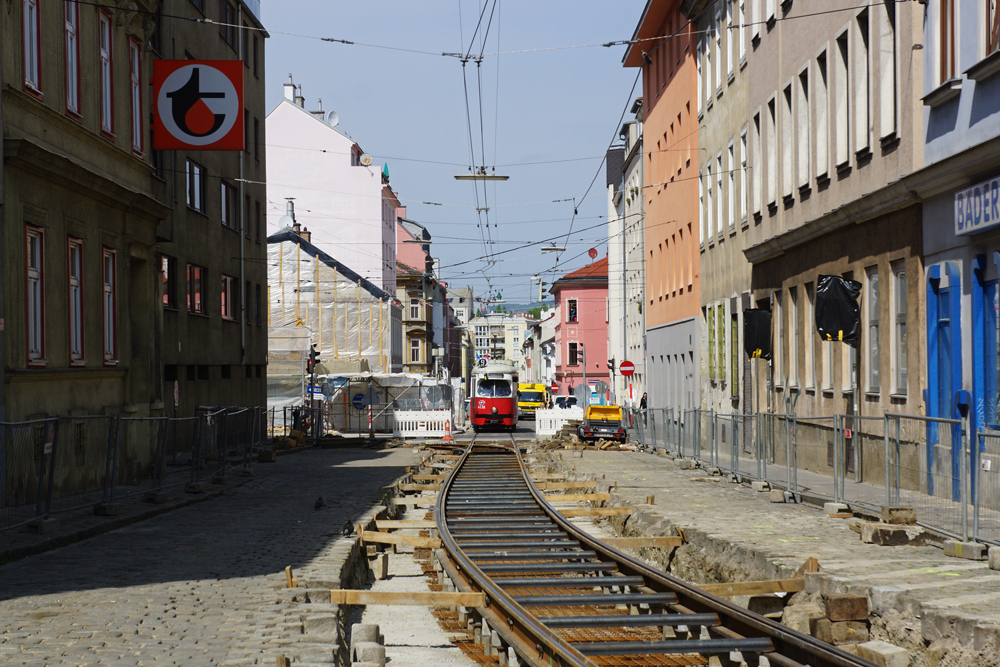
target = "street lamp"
x: 480, y: 175
x: 553, y: 248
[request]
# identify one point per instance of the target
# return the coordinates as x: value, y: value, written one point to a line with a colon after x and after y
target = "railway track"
x: 558, y: 596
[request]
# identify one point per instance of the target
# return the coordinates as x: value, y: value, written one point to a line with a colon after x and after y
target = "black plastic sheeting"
x: 757, y: 333
x: 838, y: 316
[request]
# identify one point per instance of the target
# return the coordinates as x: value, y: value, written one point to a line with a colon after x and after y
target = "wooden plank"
x: 580, y: 497
x: 419, y: 487
x: 553, y: 476
x: 596, y: 511
x: 429, y: 478
x: 447, y: 457
x: 566, y: 485
x: 756, y: 587
x: 427, y: 501
x: 636, y: 542
x: 291, y: 581
x: 405, y: 523
x: 373, y: 536
x: 422, y: 599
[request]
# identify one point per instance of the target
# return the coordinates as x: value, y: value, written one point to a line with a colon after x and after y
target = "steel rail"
x: 725, y: 627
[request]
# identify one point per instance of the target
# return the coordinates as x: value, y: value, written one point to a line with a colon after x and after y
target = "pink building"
x: 582, y: 326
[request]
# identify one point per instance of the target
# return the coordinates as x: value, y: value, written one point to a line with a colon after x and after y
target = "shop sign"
x: 978, y: 208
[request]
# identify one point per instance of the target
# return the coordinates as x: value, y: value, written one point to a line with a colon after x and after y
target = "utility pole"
x: 583, y: 354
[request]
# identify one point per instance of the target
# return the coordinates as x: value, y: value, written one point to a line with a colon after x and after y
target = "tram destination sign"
x: 978, y: 208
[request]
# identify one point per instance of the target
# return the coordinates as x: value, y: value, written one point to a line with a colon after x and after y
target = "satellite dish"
x: 592, y: 252
x: 332, y: 119
x: 366, y: 160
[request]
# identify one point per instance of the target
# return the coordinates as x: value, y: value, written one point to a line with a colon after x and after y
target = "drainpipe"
x: 243, y: 223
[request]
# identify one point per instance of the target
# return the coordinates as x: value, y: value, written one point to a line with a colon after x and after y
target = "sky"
x: 547, y: 117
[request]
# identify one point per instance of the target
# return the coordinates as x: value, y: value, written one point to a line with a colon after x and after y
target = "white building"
x: 340, y: 195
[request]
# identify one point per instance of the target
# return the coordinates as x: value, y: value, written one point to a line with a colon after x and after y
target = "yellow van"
x: 531, y: 397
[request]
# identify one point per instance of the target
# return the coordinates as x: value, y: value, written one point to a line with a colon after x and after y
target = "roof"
x: 289, y: 235
x: 407, y: 269
x: 414, y: 229
x: 593, y: 274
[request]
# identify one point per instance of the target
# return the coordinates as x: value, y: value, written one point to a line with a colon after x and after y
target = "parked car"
x: 603, y: 421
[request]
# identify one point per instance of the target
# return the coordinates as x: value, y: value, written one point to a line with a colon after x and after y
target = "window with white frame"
x: 195, y: 178
x: 701, y: 206
x: 710, y: 316
x: 135, y: 92
x: 862, y: 96
x: 769, y: 10
x: 757, y: 173
x: 841, y: 99
x: 700, y: 83
x: 709, y: 203
x: 793, y: 336
x: 110, y: 297
x: 809, y: 339
x: 75, y: 294
x: 571, y: 311
x: 731, y: 190
x: 742, y: 35
x: 772, y: 152
x: 709, y: 40
x: 730, y: 41
x: 821, y: 100
x: 415, y: 350
x: 226, y: 293
x: 887, y: 68
x: 755, y: 19
x: 35, y: 260
x: 32, y: 55
x: 718, y: 50
x: 992, y: 25
x: 719, y: 211
x: 787, y: 156
x: 947, y: 52
x: 414, y: 308
x: 107, y: 82
x: 779, y: 336
x: 71, y: 17
x: 872, y: 311
x: 899, y: 327
x: 802, y: 128
x: 743, y: 174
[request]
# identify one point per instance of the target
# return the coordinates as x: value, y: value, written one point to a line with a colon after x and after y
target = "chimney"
x: 290, y: 90
x: 304, y: 233
x: 300, y: 101
x: 319, y: 113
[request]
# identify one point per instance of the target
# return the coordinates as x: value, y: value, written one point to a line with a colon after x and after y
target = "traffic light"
x: 313, y: 360
x: 611, y: 363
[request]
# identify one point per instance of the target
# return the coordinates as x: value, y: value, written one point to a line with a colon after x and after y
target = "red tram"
x: 494, y: 398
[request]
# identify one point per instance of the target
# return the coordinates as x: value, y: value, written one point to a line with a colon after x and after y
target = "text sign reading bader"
x: 198, y: 105
x: 978, y: 208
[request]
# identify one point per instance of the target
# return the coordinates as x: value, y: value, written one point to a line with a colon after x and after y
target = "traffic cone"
x: 447, y: 436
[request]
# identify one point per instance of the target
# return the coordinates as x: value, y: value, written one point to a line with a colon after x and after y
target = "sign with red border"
x: 198, y: 105
x: 626, y: 368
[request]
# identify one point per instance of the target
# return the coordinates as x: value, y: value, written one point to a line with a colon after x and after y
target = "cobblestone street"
x: 193, y: 586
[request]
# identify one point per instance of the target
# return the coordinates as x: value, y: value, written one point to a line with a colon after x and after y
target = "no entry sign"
x: 626, y: 368
x: 198, y: 105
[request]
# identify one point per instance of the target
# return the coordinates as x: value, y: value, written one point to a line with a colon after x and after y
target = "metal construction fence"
x: 61, y: 464
x: 948, y: 473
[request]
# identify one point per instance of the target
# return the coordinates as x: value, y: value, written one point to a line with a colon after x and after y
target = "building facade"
x: 581, y: 330
x: 663, y: 46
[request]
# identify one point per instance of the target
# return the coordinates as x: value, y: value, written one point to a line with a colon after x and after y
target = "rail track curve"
x: 558, y: 596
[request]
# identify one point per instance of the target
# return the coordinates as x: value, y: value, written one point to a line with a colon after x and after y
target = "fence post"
x: 964, y: 472
x: 836, y: 458
x: 977, y: 444
x: 52, y: 467
x: 885, y: 440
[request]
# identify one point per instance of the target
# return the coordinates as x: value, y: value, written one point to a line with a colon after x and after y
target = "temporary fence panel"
x: 548, y: 422
x: 421, y: 423
x: 26, y: 457
x: 986, y: 473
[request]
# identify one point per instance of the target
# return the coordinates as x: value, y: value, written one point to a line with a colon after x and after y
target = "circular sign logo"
x: 198, y: 104
x: 627, y: 368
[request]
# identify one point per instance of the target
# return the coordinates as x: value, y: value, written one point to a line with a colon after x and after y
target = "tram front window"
x: 493, y: 389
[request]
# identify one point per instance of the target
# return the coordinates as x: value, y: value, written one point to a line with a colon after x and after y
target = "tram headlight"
x: 494, y: 410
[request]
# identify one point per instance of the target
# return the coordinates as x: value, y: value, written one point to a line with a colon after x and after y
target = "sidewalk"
x: 945, y: 610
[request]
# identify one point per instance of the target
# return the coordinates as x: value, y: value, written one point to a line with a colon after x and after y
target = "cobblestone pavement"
x: 194, y: 586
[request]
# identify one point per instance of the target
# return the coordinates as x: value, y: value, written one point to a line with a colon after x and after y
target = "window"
x: 802, y: 128
x: 196, y: 289
x: 256, y: 49
x: 709, y: 204
x: 711, y: 342
x: 718, y: 51
x: 779, y: 338
x: 757, y: 174
x: 414, y: 308
x: 168, y: 278
x: 720, y: 340
x: 256, y: 139
x: 257, y: 220
x: 229, y: 209
x: 841, y: 98
x: 34, y: 254
x: 828, y: 365
x: 743, y: 30
x: 793, y: 337
x: 247, y: 227
x: 899, y: 327
x: 258, y: 316
x: 75, y: 270
x: 946, y: 41
x: 821, y: 99
x: 708, y: 64
x: 32, y: 46
x: 730, y: 34
x: 734, y: 354
x: 109, y: 302
x: 71, y: 16
x: 701, y: 82
x: 755, y: 20
x: 810, y: 339
x: 871, y: 309
x: 107, y: 82
x: 248, y: 309
x: 135, y: 92
x: 887, y: 68
x: 862, y: 98
x: 571, y: 311
x: 743, y: 174
x: 719, y: 221
x: 574, y: 355
x: 769, y: 11
x: 731, y: 192
x: 200, y: 4
x: 226, y: 294
x: 772, y: 153
x: 414, y: 351
x: 787, y: 156
x: 227, y: 23
x: 195, y: 186
x: 701, y: 207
